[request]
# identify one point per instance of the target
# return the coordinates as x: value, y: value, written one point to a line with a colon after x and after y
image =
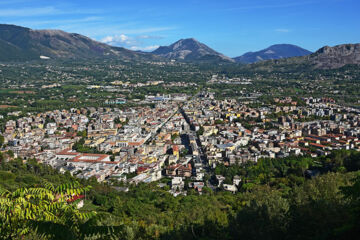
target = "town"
x: 181, y: 138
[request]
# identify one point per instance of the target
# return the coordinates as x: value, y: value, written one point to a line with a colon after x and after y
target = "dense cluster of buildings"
x: 226, y: 80
x: 180, y: 139
x: 232, y: 133
x: 111, y: 143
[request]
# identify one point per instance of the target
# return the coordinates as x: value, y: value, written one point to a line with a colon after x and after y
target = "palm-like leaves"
x: 48, y: 210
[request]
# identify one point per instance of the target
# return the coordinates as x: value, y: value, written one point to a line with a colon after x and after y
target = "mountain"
x: 324, y: 58
x: 336, y: 57
x: 20, y: 43
x: 191, y: 50
x: 277, y: 51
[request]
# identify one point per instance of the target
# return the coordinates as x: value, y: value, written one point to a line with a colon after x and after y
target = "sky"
x: 231, y: 27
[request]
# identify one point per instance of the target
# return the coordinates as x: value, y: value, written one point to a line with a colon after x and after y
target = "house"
x: 198, y: 186
x: 116, y: 101
x: 230, y: 188
x: 67, y: 154
x: 94, y: 158
x: 199, y: 176
x: 236, y: 180
x: 220, y: 179
x: 185, y: 171
x: 177, y: 183
x: 172, y: 170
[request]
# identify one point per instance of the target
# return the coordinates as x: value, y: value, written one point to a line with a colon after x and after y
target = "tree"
x: 200, y: 131
x: 174, y: 136
x: 10, y: 153
x: 47, y: 211
x: 82, y: 134
x: 184, y: 152
x: 2, y: 140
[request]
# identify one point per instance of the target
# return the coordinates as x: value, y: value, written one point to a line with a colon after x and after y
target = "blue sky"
x: 232, y: 27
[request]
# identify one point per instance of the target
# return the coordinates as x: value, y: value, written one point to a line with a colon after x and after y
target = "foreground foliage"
x: 325, y: 207
x: 46, y: 212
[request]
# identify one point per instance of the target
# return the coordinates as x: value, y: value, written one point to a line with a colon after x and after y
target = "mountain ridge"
x: 325, y: 58
x: 276, y: 51
x: 190, y: 49
x: 28, y: 44
x: 336, y: 56
x: 22, y: 44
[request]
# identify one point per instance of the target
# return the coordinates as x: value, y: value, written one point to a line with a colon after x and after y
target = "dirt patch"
x: 23, y: 92
x: 6, y: 106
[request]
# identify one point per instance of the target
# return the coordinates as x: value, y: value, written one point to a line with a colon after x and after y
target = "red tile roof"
x: 87, y: 157
x: 76, y: 197
x: 317, y: 145
x: 68, y: 151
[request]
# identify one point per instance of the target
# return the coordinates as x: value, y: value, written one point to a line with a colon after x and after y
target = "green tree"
x: 47, y: 211
x: 2, y: 140
x: 200, y: 131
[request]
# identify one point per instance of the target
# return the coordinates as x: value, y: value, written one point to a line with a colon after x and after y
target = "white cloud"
x: 117, y: 39
x: 147, y: 48
x: 135, y: 42
x: 107, y: 39
x: 131, y: 42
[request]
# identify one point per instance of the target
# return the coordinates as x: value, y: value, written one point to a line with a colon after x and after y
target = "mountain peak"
x: 190, y: 49
x: 188, y: 40
x: 345, y: 48
x: 276, y: 51
x: 337, y: 56
x: 325, y: 58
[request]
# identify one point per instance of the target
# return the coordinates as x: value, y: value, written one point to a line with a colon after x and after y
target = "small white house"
x: 230, y: 188
x: 236, y: 180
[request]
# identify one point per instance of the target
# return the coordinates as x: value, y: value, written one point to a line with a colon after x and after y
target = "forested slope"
x: 275, y: 201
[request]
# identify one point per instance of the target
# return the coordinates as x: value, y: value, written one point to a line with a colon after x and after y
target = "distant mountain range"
x: 324, y: 58
x: 22, y: 44
x: 277, y: 51
x: 191, y: 50
x: 19, y: 43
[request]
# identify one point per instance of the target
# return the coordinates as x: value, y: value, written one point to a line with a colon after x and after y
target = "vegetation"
x: 24, y: 86
x: 266, y: 207
x: 79, y: 147
x: 42, y: 210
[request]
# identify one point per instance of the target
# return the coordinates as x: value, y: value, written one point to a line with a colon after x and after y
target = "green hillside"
x: 275, y: 201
